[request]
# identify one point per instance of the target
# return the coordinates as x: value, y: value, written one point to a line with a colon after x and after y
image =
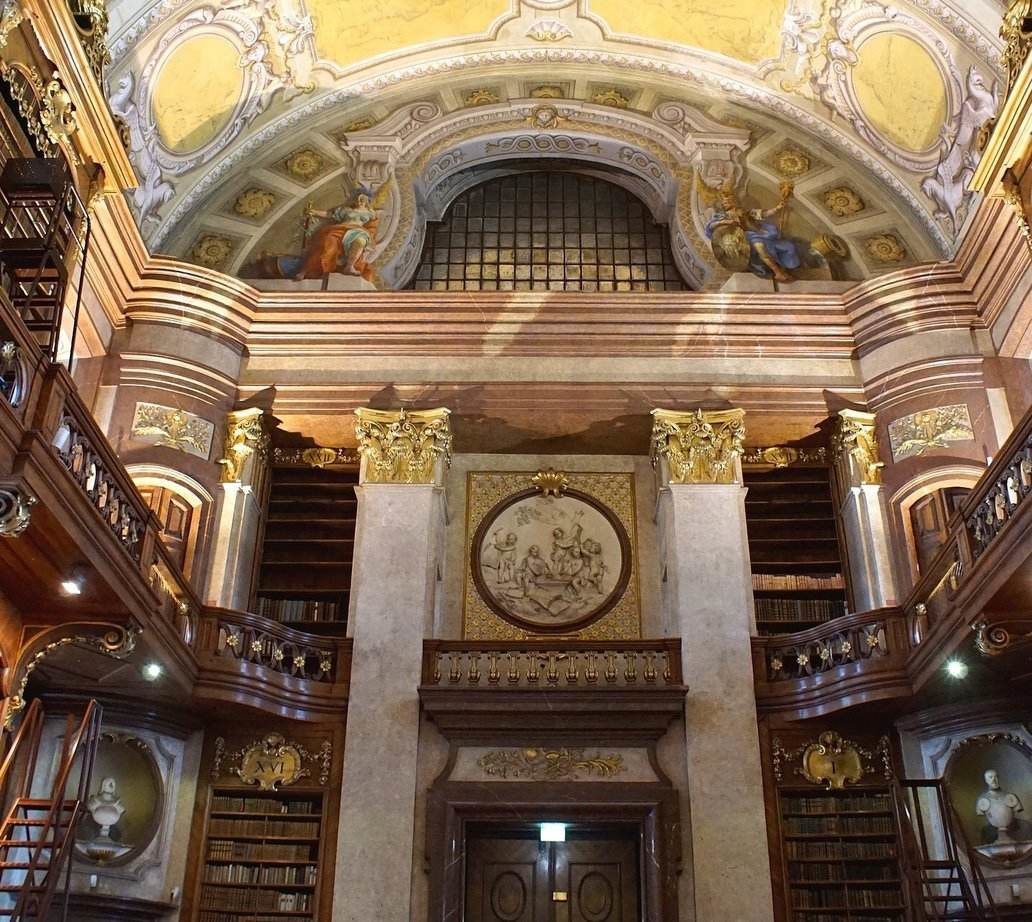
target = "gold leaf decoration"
x: 843, y: 201
x: 885, y: 248
x: 611, y: 97
x: 535, y: 764
x: 305, y: 164
x: 211, y: 250
x: 254, y: 203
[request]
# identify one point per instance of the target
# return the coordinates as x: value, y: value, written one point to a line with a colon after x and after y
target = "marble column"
x: 708, y: 600
x: 398, y: 538
x: 863, y: 511
x: 238, y: 510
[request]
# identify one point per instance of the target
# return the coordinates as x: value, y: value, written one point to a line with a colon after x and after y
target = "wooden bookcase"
x: 307, y: 548
x: 793, y: 545
x: 262, y: 855
x: 841, y: 854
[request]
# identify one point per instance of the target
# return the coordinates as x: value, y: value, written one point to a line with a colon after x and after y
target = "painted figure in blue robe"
x: 746, y: 238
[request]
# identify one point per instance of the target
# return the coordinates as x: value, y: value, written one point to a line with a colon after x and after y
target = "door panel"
x: 600, y: 879
x: 176, y: 516
x: 523, y: 880
x: 507, y: 881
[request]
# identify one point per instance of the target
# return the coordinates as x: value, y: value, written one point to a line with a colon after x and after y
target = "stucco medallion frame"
x: 988, y: 741
x: 607, y: 605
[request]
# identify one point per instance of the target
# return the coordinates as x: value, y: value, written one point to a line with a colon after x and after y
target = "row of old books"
x: 811, y: 871
x: 816, y: 610
x: 850, y: 803
x: 257, y: 874
x: 286, y: 610
x: 796, y: 582
x: 264, y: 805
x: 841, y: 851
x: 837, y: 825
x: 261, y: 900
x: 223, y: 849
x: 267, y: 827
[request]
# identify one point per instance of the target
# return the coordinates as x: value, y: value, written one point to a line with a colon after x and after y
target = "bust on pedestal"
x: 1005, y: 834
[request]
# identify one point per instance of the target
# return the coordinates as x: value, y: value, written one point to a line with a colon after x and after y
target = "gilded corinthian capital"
x: 245, y: 437
x: 402, y: 446
x: 854, y: 446
x: 1016, y: 32
x: 699, y: 447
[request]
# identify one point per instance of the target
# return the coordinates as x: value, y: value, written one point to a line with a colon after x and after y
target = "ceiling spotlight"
x: 956, y: 669
x: 73, y: 585
x: 152, y: 671
x: 553, y: 832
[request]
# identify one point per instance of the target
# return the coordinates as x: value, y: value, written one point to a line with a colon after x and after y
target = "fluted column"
x: 397, y: 546
x: 708, y: 601
x: 238, y: 509
x: 863, y: 511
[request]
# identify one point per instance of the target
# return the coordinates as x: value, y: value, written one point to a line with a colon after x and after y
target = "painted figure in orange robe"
x: 348, y: 233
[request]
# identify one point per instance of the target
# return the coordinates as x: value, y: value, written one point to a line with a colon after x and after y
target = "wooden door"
x: 176, y: 516
x: 599, y: 878
x: 507, y: 881
x: 586, y: 879
x: 929, y: 517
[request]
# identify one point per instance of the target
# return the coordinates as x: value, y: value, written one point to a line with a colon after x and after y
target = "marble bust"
x: 999, y: 807
x: 106, y: 809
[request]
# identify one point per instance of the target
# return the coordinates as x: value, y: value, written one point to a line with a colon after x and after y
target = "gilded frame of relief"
x: 508, y: 518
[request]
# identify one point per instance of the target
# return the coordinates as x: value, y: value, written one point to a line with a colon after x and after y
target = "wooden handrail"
x: 27, y: 734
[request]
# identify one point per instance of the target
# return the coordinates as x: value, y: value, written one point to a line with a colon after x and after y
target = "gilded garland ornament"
x: 700, y: 447
x: 402, y: 446
x: 534, y: 764
x: 833, y: 761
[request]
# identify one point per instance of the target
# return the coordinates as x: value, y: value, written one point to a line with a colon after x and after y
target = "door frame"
x: 653, y: 809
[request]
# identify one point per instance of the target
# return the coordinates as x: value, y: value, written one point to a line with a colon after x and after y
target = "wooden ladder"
x: 945, y: 877
x: 37, y: 833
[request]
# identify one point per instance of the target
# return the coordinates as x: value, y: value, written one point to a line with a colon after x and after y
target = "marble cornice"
x: 131, y: 285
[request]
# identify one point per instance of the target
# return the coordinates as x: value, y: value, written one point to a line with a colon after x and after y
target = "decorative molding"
x: 549, y: 764
x: 1016, y: 32
x: 854, y: 446
x: 15, y: 510
x: 316, y: 456
x: 173, y: 428
x: 699, y: 447
x: 833, y: 761
x: 551, y: 482
x: 402, y: 446
x: 11, y: 16
x: 549, y: 29
x: 916, y: 433
x: 785, y: 455
x: 271, y: 762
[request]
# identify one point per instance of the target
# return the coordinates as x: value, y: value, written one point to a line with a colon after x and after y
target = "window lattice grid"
x: 547, y: 232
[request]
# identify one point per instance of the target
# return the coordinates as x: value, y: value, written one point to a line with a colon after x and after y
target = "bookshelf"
x: 262, y: 855
x: 793, y: 545
x: 307, y: 548
x: 841, y: 855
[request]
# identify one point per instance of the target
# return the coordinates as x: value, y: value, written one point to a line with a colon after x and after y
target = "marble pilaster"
x: 863, y: 511
x: 397, y: 550
x: 708, y: 601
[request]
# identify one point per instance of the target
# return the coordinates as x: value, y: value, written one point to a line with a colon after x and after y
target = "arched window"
x: 547, y: 231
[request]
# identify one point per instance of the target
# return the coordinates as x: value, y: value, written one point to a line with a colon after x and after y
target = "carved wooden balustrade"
x: 250, y: 660
x: 628, y: 689
x: 881, y: 654
x: 532, y: 664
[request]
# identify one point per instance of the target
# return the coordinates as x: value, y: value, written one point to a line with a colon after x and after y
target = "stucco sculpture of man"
x: 999, y: 807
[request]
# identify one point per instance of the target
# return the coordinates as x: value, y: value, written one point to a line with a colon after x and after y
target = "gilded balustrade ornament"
x: 402, y: 446
x: 700, y: 447
x: 549, y: 764
x: 11, y: 17
x: 855, y: 445
x: 15, y: 511
x: 245, y: 436
x: 1016, y: 33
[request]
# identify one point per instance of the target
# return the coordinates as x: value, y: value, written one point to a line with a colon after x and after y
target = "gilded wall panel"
x: 613, y: 491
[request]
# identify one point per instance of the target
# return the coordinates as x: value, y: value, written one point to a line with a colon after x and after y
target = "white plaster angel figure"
x: 959, y: 154
x: 153, y: 191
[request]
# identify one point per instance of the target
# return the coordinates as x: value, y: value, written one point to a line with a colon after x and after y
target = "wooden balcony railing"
x: 250, y: 660
x: 890, y: 652
x: 568, y: 664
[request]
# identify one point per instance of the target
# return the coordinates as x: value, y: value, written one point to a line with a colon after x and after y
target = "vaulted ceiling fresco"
x: 255, y: 125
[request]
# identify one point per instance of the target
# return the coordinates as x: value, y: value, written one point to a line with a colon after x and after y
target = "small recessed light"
x: 152, y: 671
x: 72, y: 586
x: 553, y: 832
x: 956, y: 669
